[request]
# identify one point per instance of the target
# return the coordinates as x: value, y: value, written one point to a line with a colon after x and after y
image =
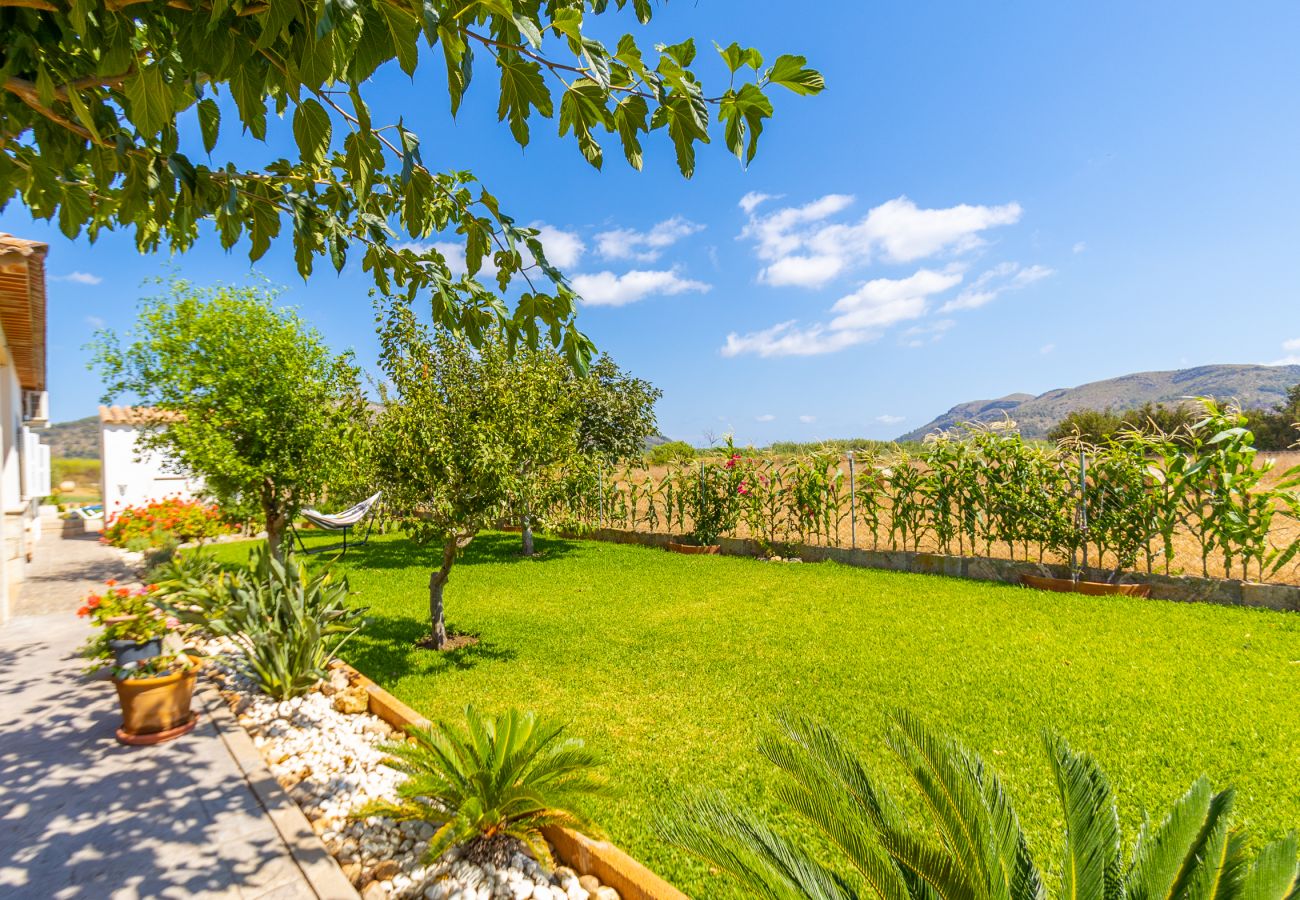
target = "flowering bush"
x: 154, y: 666
x: 122, y: 614
x: 166, y: 521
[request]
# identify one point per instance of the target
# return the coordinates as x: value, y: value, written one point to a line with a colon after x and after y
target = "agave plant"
x: 287, y: 624
x: 980, y: 852
x: 492, y: 786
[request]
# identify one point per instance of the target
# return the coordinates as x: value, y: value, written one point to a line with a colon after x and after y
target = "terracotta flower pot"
x: 693, y: 549
x: 156, y: 709
x: 1091, y: 588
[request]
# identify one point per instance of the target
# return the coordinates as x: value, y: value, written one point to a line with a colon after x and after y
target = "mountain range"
x: 1250, y: 386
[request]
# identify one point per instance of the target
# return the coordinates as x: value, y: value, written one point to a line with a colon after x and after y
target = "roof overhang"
x: 22, y: 307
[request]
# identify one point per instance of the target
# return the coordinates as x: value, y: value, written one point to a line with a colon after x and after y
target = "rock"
x: 607, y: 893
x: 589, y: 883
x: 386, y: 870
x: 337, y: 682
x: 352, y: 872
x: 352, y: 701
x: 574, y: 891
x: 374, y: 891
x: 562, y: 874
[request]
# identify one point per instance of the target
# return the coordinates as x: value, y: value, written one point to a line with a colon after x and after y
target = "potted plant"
x: 131, y: 626
x: 155, y: 697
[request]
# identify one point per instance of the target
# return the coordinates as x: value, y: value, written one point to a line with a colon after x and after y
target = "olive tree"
x: 462, y: 432
x: 250, y: 398
x: 100, y: 101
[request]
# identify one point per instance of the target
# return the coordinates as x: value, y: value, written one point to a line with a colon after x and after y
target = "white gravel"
x: 329, y: 763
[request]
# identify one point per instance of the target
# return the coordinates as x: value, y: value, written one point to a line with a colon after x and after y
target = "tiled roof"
x: 134, y: 415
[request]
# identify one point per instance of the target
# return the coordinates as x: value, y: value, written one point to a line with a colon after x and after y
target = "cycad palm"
x: 498, y: 782
x: 980, y: 852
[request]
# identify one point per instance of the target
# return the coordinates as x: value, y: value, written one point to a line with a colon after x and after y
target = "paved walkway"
x: 84, y: 817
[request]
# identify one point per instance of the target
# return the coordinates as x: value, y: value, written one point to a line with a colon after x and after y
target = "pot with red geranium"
x: 131, y: 627
x: 155, y: 696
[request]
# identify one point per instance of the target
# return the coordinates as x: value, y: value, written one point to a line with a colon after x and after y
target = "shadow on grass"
x: 386, y: 649
x: 401, y: 553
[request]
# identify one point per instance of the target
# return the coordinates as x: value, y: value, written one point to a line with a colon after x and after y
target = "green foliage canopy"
x: 96, y: 98
x: 253, y: 401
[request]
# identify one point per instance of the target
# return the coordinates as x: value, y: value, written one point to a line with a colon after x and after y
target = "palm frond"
x: 1275, y: 874
x: 1091, y: 866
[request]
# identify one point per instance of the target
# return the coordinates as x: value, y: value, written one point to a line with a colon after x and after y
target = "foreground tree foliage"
x: 252, y: 401
x: 100, y: 100
x: 968, y: 844
x: 468, y: 436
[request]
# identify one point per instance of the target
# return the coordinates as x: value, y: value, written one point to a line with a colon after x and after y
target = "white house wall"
x: 132, y: 477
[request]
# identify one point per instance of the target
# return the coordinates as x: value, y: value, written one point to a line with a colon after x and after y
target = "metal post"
x: 1083, y: 502
x: 600, y: 495
x: 853, y: 507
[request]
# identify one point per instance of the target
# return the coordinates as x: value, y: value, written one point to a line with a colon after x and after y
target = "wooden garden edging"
x: 1180, y: 588
x: 585, y: 856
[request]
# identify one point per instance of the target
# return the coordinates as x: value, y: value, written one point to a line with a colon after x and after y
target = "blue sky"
x: 988, y: 198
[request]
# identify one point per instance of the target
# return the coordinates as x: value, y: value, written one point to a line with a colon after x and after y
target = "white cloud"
x: 887, y: 419
x: 807, y: 420
x: 608, y: 289
x: 1079, y: 247
x: 800, y: 248
x: 750, y: 201
x: 86, y: 278
x: 784, y: 339
x: 1046, y: 349
x: 765, y: 417
x: 563, y: 248
x: 917, y: 335
x: 1007, y: 276
x: 645, y: 246
x: 95, y: 321
x: 803, y: 271
x: 1292, y: 358
x: 882, y: 302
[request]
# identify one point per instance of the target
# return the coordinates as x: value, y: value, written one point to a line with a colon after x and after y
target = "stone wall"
x: 1182, y: 588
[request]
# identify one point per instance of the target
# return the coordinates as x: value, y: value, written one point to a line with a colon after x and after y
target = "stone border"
x: 308, y: 852
x: 1180, y: 588
x: 585, y: 856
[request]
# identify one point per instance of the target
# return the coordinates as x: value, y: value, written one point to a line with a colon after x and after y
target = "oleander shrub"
x: 169, y: 521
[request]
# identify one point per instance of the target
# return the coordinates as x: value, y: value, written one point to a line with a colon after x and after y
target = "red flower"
x: 112, y: 582
x: 84, y: 611
x: 93, y: 602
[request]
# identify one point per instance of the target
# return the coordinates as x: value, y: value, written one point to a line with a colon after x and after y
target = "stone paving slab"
x: 82, y: 816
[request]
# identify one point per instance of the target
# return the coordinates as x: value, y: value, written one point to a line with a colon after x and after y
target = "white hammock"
x: 342, y: 520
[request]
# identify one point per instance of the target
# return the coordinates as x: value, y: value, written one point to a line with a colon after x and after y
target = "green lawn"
x: 673, y: 665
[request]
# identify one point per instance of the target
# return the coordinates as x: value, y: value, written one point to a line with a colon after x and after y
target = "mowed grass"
x: 673, y: 666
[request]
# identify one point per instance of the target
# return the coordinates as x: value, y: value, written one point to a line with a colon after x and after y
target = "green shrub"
x: 287, y: 624
x: 193, y: 587
x: 493, y: 786
x: 981, y: 852
x: 671, y: 452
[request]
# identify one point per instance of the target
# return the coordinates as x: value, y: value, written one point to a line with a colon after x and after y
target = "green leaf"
x: 742, y: 113
x: 683, y: 53
x: 686, y: 118
x: 630, y: 119
x: 522, y: 88
x: 1090, y: 868
x: 404, y: 30
x: 150, y: 100
x: 209, y: 122
x: 312, y: 130
x: 791, y: 72
x: 581, y: 110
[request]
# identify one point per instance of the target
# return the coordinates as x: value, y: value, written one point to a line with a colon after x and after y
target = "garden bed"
x: 325, y: 750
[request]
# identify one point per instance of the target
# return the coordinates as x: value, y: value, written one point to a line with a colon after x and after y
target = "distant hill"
x: 1251, y: 386
x: 78, y: 439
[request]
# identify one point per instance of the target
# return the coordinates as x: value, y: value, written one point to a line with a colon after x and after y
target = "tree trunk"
x: 528, y: 534
x: 437, y: 622
x: 276, y: 522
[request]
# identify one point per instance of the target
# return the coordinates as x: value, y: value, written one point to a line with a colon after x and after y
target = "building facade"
x: 24, y: 405
x: 132, y: 474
